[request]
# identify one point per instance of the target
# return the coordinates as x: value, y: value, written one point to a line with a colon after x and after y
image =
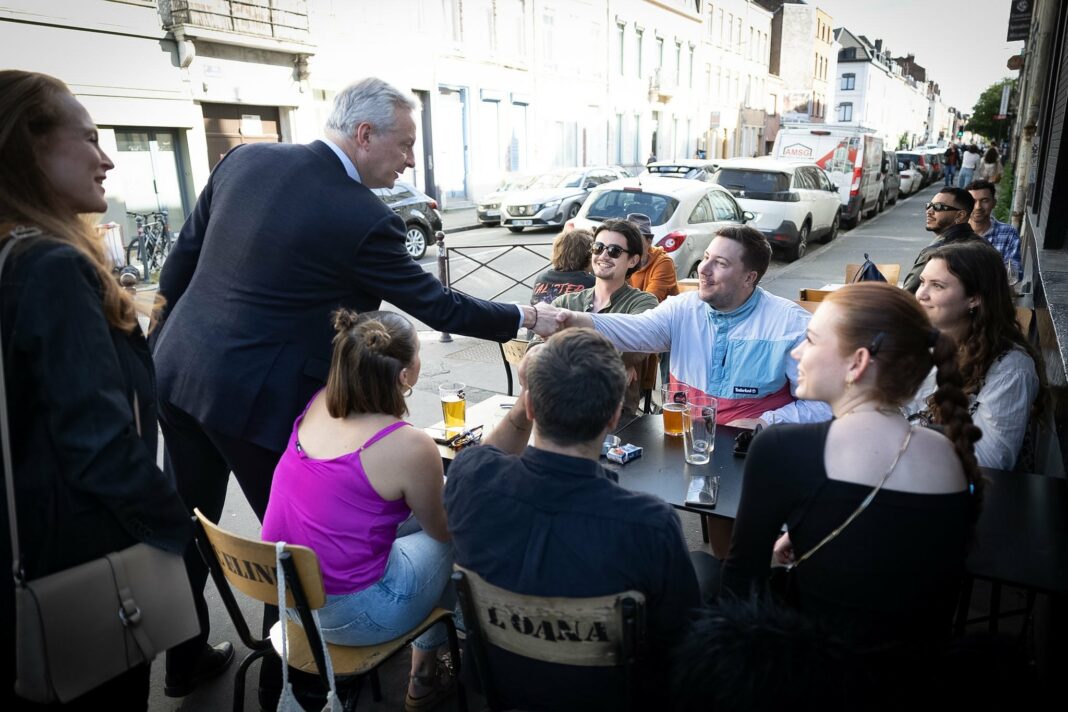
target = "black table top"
x: 1021, y: 537
x: 662, y: 469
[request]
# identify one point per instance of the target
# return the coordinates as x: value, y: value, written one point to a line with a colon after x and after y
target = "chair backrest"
x: 250, y: 565
x: 514, y: 350
x: 813, y: 295
x: 892, y: 272
x: 603, y: 631
x: 808, y: 306
x: 1024, y: 317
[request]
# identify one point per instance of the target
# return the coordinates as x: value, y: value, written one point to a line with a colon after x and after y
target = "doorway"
x: 148, y: 162
x: 452, y: 164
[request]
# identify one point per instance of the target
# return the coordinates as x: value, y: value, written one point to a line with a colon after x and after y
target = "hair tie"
x: 876, y: 344
x: 932, y: 337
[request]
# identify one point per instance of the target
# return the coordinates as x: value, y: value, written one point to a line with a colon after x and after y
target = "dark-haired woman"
x: 79, y: 380
x: 882, y: 570
x: 352, y: 474
x: 965, y: 291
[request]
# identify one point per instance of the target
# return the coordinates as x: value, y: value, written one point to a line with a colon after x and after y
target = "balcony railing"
x: 282, y: 20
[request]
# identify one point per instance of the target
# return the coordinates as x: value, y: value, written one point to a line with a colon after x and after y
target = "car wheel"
x: 415, y: 241
x: 833, y: 232
x: 801, y: 247
x: 513, y: 228
x: 692, y: 274
x: 573, y: 210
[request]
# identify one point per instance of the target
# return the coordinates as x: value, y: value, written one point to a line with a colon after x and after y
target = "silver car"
x: 685, y: 214
x: 554, y: 198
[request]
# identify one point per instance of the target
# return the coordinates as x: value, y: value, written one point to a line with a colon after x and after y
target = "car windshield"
x: 516, y: 183
x: 617, y: 204
x: 909, y: 156
x: 753, y: 183
x: 902, y: 165
x: 675, y: 171
x: 558, y: 180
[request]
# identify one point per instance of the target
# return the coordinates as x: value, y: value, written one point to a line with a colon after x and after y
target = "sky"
x: 961, y: 43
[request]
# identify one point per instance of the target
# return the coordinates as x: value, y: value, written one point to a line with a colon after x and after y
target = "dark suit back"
x: 280, y: 237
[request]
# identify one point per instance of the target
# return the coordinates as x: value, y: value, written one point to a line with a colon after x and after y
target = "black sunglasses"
x: 614, y: 251
x: 941, y: 207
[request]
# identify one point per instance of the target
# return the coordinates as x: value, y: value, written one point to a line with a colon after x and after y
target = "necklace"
x: 885, y: 410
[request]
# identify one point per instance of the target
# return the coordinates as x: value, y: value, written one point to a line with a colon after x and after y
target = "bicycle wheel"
x: 133, y: 252
x: 162, y: 249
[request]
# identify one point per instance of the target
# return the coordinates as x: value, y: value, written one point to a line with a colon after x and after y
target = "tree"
x: 983, y: 121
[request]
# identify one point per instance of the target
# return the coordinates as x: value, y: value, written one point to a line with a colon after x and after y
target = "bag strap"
x: 863, y: 505
x: 16, y: 235
x: 129, y: 612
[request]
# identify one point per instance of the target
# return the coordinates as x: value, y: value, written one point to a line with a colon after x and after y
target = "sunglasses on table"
x: 614, y: 251
x: 941, y: 207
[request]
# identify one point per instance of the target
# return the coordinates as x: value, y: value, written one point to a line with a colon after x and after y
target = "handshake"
x: 545, y: 319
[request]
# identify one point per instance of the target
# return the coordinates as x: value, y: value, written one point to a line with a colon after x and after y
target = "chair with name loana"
x: 602, y: 631
x: 250, y: 566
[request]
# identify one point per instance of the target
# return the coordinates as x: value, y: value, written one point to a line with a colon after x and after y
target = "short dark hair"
x: 630, y: 231
x: 571, y: 251
x: 964, y: 199
x: 576, y: 383
x: 983, y: 185
x: 756, y: 255
x: 370, y: 350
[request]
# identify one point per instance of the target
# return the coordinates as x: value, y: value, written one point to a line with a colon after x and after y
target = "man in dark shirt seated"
x: 947, y: 217
x: 548, y: 520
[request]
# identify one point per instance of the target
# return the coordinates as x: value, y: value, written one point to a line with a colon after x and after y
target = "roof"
x: 675, y: 187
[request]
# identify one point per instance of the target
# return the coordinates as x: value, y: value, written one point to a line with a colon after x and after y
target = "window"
x: 848, y: 53
x: 659, y: 52
x: 724, y: 207
x: 638, y: 34
x: 845, y: 111
x: 730, y: 30
x: 622, y: 37
x: 849, y: 81
x: 678, y: 62
x: 738, y: 33
x: 690, y: 84
x: 719, y: 21
x: 619, y: 138
x: 451, y: 10
x: 803, y: 180
x: 702, y: 212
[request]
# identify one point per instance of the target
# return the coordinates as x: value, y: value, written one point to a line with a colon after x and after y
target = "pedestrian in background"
x: 990, y: 167
x: 79, y: 379
x: 281, y: 236
x: 968, y: 163
x: 951, y: 162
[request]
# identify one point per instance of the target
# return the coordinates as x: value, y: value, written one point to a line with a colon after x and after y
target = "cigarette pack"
x: 624, y: 453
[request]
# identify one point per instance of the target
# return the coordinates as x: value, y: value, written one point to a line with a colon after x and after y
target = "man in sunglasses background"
x: 947, y: 217
x: 617, y: 254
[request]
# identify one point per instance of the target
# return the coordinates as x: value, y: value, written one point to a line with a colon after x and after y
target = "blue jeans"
x: 951, y: 171
x: 965, y: 177
x: 416, y: 580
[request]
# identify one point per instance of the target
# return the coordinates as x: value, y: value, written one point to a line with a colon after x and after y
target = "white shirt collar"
x: 350, y: 167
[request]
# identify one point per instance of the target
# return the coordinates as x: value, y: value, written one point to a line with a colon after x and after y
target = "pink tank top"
x: 330, y: 506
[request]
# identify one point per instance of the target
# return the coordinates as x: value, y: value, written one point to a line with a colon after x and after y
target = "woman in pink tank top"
x: 351, y: 479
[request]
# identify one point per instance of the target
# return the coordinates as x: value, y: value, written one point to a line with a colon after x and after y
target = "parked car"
x: 488, y: 208
x: 919, y: 162
x: 685, y: 214
x: 911, y: 177
x: 790, y: 201
x: 850, y: 155
x: 692, y: 168
x: 891, y: 179
x: 418, y: 211
x: 936, y: 160
x: 554, y: 198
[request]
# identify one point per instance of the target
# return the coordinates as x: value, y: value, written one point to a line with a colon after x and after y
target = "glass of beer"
x: 673, y: 398
x: 453, y: 406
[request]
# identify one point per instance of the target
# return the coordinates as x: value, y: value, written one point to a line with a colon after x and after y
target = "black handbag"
x: 868, y: 272
x: 78, y: 628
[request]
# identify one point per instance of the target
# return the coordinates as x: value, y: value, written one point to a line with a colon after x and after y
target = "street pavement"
x: 895, y: 236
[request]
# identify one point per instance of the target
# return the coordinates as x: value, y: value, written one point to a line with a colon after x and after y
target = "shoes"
x: 211, y: 663
x: 442, y: 684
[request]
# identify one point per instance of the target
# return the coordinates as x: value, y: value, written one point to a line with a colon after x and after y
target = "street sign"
x: 1003, y: 108
x: 1020, y: 20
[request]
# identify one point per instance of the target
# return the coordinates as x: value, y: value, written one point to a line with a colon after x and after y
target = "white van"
x: 850, y: 155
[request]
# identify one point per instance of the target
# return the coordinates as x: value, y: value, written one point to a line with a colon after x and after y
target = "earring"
x: 408, y: 391
x: 849, y: 384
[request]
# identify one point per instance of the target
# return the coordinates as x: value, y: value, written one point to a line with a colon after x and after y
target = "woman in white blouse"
x: 965, y: 290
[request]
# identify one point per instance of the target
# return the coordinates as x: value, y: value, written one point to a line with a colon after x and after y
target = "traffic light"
x: 960, y: 134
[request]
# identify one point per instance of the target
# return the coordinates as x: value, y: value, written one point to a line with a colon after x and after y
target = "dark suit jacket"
x: 279, y: 238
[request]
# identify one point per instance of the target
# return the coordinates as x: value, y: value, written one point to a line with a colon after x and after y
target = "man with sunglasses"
x: 947, y: 217
x: 617, y: 254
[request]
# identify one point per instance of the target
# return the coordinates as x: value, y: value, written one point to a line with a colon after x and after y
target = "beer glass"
x: 673, y: 399
x: 453, y: 406
x: 699, y: 429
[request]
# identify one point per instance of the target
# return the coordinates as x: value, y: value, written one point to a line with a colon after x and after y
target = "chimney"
x: 879, y: 46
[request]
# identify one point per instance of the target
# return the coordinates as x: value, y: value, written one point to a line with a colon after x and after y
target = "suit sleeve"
x: 384, y: 268
x: 82, y: 387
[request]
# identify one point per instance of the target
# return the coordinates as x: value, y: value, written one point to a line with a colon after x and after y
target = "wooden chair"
x: 562, y: 625
x: 892, y: 272
x: 688, y: 285
x: 1024, y: 317
x: 512, y: 352
x: 813, y: 295
x: 251, y: 569
x: 808, y: 306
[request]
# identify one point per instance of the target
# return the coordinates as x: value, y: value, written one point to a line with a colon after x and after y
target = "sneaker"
x: 211, y: 663
x: 440, y: 685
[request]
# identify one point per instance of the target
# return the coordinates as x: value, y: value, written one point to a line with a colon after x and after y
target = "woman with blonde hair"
x: 350, y: 478
x: 79, y: 378
x: 879, y: 512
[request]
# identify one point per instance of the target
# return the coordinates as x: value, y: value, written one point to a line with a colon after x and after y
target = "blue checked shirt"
x: 1006, y: 240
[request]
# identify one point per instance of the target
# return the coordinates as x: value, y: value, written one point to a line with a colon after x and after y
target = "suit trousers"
x: 200, y: 460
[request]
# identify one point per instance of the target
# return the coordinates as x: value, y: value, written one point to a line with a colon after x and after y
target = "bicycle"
x: 153, y: 242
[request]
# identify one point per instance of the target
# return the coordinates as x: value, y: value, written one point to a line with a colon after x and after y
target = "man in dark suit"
x: 280, y: 237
